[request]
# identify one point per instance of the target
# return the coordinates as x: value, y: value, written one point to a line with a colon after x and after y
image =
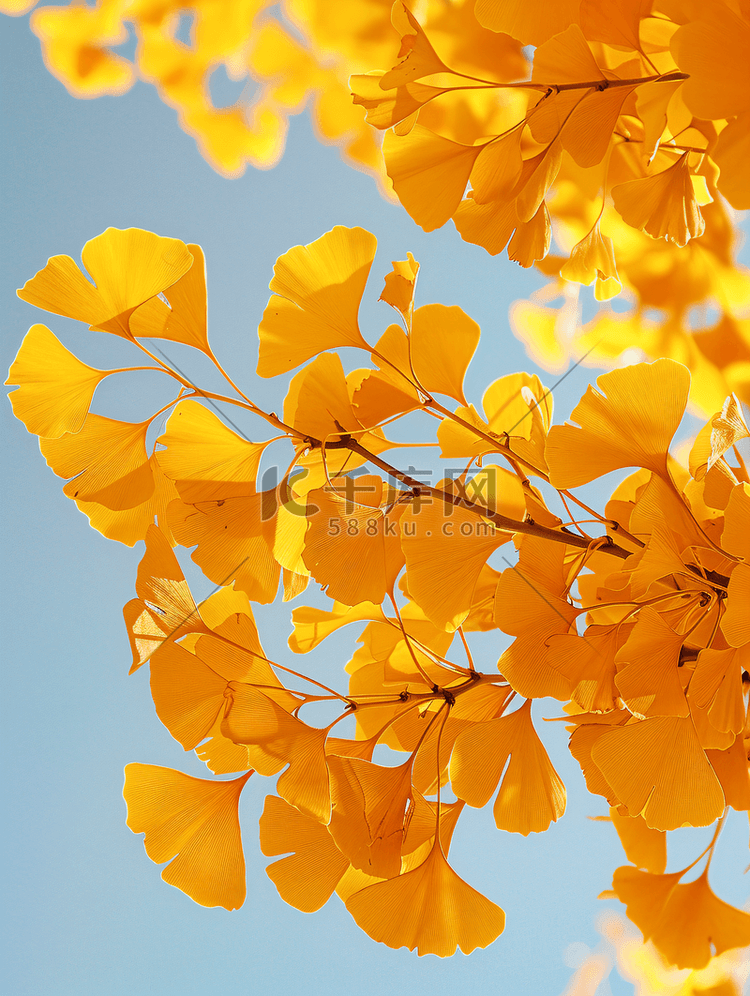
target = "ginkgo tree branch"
x: 502, y: 522
x: 551, y: 88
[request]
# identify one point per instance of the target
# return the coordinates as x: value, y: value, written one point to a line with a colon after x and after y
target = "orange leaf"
x: 688, y: 923
x: 400, y: 285
x: 644, y: 847
x: 429, y: 908
x: 307, y: 877
x: 443, y: 341
x: 353, y: 542
x: 127, y: 267
x: 130, y: 525
x: 195, y: 822
x: 658, y: 770
x: 370, y: 812
x: 107, y: 460
x: 647, y: 668
x: 316, y: 289
x: 663, y: 205
x: 233, y: 527
x: 628, y: 422
x: 274, y: 739
x: 55, y: 389
x: 200, y: 447
x: 446, y: 546
x: 429, y: 173
x: 533, y: 22
x: 418, y: 57
x: 165, y: 609
x: 183, y: 318
x: 531, y: 794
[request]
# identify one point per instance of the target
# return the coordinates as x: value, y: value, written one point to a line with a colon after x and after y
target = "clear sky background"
x: 86, y: 910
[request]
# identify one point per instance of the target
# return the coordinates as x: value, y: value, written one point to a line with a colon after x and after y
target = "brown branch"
x: 674, y: 77
x: 502, y: 522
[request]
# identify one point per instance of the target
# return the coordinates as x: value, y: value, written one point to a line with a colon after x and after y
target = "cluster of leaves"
x: 629, y: 127
x: 636, y: 117
x: 290, y: 56
x: 640, y: 630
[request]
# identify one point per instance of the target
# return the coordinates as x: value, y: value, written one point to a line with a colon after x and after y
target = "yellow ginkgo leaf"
x: 531, y: 239
x: 716, y: 685
x: 687, y: 922
x: 443, y: 340
x: 400, y: 285
x: 369, y: 809
x: 182, y: 316
x: 587, y: 132
x: 531, y: 794
x: 220, y: 755
x: 736, y: 621
x: 565, y: 58
x: 130, y: 525
x: 732, y: 771
x: 418, y: 57
x: 658, y: 770
x: 307, y: 876
x: 537, y: 176
x: 312, y: 625
x: 614, y: 22
x: 128, y: 267
x: 663, y: 205
x: 188, y: 695
x: 316, y: 289
x: 429, y: 908
x: 648, y: 398
x: 233, y: 527
x: 489, y: 225
x: 164, y: 609
x: 531, y: 604
x: 379, y: 395
x: 200, y: 447
x: 76, y: 43
x: 429, y: 173
x: 386, y: 108
x: 442, y: 580
x: 736, y: 535
x: 275, y: 738
x: 648, y: 676
x: 732, y: 155
x: 353, y: 541
x: 318, y: 403
x: 106, y: 460
x: 55, y: 387
x: 588, y: 663
x: 593, y: 258
x: 721, y: 432
x: 234, y: 653
x: 712, y: 50
x: 497, y: 168
x: 519, y: 405
x: 583, y: 740
x: 194, y: 821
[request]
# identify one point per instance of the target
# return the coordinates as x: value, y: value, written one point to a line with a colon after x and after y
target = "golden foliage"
x: 623, y: 139
x: 638, y: 625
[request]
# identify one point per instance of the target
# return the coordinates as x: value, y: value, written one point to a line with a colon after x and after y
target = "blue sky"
x: 87, y: 912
